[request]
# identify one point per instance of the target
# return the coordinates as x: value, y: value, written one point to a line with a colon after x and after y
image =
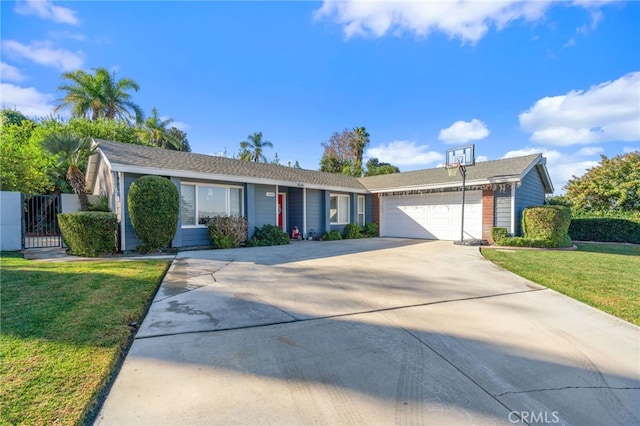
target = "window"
x: 361, y: 210
x: 199, y: 203
x: 339, y: 209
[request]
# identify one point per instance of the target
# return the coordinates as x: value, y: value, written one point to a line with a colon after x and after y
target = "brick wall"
x: 487, y: 214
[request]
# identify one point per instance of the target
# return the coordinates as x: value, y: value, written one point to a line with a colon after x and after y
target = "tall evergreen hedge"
x: 89, y: 234
x: 154, y: 205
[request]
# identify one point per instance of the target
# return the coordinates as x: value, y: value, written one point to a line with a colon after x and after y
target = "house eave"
x: 449, y: 185
x: 228, y: 178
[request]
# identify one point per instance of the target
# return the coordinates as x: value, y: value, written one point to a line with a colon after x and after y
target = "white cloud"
x: 27, y: 100
x: 467, y: 20
x: 464, y: 131
x: 561, y: 167
x: 10, y: 73
x: 589, y: 151
x: 481, y: 158
x: 67, y: 35
x: 596, y: 17
x: 46, y: 10
x: 606, y: 112
x: 404, y: 153
x: 43, y: 53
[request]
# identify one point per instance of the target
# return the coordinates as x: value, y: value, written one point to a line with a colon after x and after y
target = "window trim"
x: 364, y: 208
x: 338, y: 196
x: 196, y: 185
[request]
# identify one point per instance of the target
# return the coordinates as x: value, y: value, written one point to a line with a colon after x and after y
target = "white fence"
x: 11, y: 211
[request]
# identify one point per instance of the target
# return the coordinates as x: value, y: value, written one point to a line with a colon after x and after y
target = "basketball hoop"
x: 452, y: 170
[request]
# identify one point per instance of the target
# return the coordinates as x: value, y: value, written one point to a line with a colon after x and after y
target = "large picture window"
x: 199, y: 203
x: 339, y: 209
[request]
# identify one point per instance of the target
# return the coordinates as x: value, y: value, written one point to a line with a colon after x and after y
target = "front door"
x: 282, y: 200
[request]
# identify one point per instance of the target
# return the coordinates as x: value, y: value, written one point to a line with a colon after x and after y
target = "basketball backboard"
x: 462, y: 155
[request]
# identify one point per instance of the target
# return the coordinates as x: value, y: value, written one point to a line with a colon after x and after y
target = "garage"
x: 433, y: 216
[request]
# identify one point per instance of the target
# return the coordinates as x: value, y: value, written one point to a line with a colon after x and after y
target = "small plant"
x: 100, y: 205
x: 370, y: 230
x: 154, y: 205
x: 331, y: 236
x: 352, y: 231
x: 89, y: 234
x: 498, y: 235
x: 227, y: 231
x: 268, y: 235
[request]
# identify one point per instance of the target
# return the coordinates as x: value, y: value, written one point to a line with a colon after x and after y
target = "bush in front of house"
x: 352, y: 231
x: 227, y: 231
x: 617, y: 230
x: 370, y: 230
x: 332, y: 235
x: 548, y: 223
x: 89, y: 234
x: 498, y: 235
x: 544, y: 227
x: 268, y: 235
x: 154, y: 204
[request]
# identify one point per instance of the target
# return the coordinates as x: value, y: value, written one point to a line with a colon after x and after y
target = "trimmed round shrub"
x: 498, y: 235
x: 227, y: 231
x: 89, y: 234
x: 549, y: 224
x: 268, y: 235
x: 154, y: 205
x: 370, y: 230
x: 352, y: 231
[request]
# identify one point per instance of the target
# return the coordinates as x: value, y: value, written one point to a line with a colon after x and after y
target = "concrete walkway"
x: 378, y: 331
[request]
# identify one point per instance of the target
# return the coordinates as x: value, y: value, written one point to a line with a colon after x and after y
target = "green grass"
x: 64, y: 330
x: 605, y: 276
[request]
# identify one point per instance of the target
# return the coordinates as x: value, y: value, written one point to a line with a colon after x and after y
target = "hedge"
x: 89, y: 234
x: 605, y: 230
x: 268, y: 235
x: 227, y: 231
x: 352, y: 231
x: 548, y: 223
x: 154, y: 205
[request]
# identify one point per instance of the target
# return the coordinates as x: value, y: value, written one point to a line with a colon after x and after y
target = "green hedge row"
x: 89, y: 234
x: 544, y: 226
x: 605, y: 230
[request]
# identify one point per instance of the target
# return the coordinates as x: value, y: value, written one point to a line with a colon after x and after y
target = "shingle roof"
x: 177, y: 163
x: 145, y: 159
x: 495, y: 171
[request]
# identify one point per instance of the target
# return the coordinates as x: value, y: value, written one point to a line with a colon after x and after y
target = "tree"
x: 375, y: 168
x: 252, y: 149
x: 179, y: 139
x: 612, y: 185
x: 99, y: 95
x: 296, y: 165
x: 73, y: 151
x: 276, y: 160
x: 343, y: 152
x: 153, y: 131
x: 11, y: 116
x: 24, y: 166
x: 358, y: 143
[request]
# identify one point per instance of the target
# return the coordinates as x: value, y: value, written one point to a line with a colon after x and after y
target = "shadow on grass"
x: 625, y: 249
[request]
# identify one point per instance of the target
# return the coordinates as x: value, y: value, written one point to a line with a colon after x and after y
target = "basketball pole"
x: 463, y: 172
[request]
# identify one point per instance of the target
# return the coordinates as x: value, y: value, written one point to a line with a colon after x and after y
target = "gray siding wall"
x: 295, y: 209
x: 265, y: 207
x: 530, y: 193
x: 368, y: 208
x: 194, y: 237
x: 502, y: 206
x: 315, y: 211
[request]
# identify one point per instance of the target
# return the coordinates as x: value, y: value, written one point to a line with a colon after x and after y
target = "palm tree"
x: 251, y: 149
x: 358, y: 142
x: 99, y: 95
x: 73, y: 151
x: 154, y: 131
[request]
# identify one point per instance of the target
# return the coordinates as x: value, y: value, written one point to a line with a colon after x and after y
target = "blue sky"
x: 513, y: 78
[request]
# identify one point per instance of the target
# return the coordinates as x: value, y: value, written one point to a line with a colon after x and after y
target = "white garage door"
x: 431, y: 216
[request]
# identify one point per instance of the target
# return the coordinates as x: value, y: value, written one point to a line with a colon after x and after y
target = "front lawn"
x: 605, y: 276
x: 64, y: 329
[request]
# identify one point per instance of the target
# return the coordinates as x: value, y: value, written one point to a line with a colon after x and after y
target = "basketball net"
x: 452, y: 170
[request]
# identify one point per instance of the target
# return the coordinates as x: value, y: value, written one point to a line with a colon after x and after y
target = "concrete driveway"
x: 376, y: 331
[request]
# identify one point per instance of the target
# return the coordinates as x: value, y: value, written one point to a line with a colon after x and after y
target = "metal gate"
x: 40, y: 221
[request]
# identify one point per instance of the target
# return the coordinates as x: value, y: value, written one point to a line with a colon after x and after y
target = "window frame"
x: 196, y: 206
x: 358, y: 212
x: 338, y: 196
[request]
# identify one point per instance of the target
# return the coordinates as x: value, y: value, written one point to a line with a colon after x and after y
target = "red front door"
x: 281, y: 211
